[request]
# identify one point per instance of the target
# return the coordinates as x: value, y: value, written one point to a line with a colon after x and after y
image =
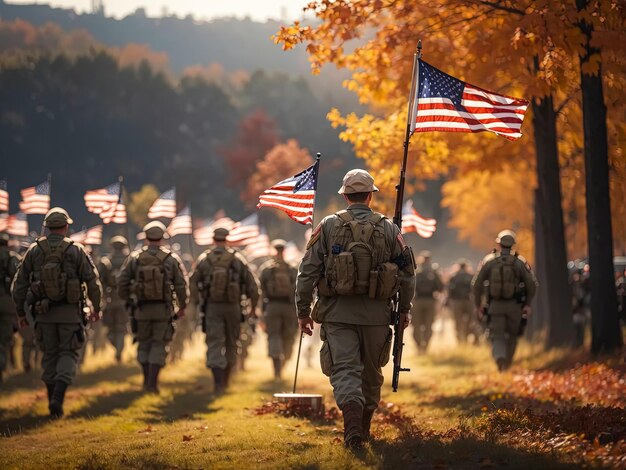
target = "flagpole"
x: 43, y: 227
x: 317, y: 170
x: 120, y: 180
x: 191, y: 240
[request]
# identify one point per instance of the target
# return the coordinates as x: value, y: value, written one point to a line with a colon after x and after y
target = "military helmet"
x: 506, y: 238
x: 155, y: 231
x: 279, y: 244
x: 57, y: 217
x: 357, y: 181
x: 220, y: 234
x: 118, y: 241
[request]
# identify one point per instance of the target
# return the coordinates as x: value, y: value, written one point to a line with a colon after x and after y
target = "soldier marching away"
x: 358, y: 260
x: 115, y: 316
x: 459, y: 292
x: 56, y: 271
x: 9, y: 262
x: 427, y: 283
x: 278, y: 285
x: 508, y: 284
x: 153, y: 281
x: 222, y: 276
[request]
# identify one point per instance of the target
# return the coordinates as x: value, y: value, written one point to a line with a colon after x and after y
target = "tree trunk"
x: 538, y: 321
x: 606, y: 334
x: 555, y: 283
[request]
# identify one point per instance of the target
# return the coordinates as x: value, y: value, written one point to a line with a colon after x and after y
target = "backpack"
x: 503, y: 278
x: 425, y: 282
x: 50, y: 281
x: 222, y: 284
x: 357, y: 262
x: 150, y: 277
x: 279, y: 284
x: 460, y: 286
x: 5, y: 280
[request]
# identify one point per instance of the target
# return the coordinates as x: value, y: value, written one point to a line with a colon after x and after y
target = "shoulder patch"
x: 401, y: 241
x: 315, y: 236
x: 525, y: 262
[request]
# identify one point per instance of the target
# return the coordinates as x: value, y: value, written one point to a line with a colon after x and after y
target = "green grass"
x: 432, y: 422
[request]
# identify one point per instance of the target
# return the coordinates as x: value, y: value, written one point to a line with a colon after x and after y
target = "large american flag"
x: 445, y: 103
x: 36, y: 199
x: 413, y: 222
x: 181, y: 224
x: 245, y: 232
x: 258, y: 248
x: 4, y: 222
x: 4, y: 196
x: 99, y: 200
x: 295, y: 196
x: 203, y: 235
x: 164, y: 206
x: 17, y: 225
x: 90, y: 236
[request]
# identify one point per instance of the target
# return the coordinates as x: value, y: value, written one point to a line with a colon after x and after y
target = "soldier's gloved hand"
x: 480, y: 313
x: 180, y: 314
x: 526, y: 310
x: 407, y: 320
x: 23, y: 322
x: 306, y: 325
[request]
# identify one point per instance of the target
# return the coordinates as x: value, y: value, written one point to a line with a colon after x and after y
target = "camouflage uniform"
x: 279, y: 309
x: 427, y: 282
x: 59, y: 329
x: 222, y: 319
x: 115, y: 316
x: 355, y: 328
x: 459, y: 291
x: 154, y: 318
x: 504, y: 314
x: 8, y: 320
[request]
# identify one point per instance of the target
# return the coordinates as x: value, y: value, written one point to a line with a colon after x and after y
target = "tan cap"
x: 119, y: 241
x: 506, y: 238
x: 220, y: 234
x: 155, y: 231
x: 57, y: 217
x: 279, y: 244
x: 357, y: 181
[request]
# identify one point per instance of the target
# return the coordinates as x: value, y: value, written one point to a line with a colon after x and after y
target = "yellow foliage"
x: 139, y: 202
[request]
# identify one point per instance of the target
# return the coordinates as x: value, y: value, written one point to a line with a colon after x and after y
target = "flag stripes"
x: 91, y: 236
x: 164, y: 206
x: 181, y: 224
x: 36, y: 199
x: 4, y: 196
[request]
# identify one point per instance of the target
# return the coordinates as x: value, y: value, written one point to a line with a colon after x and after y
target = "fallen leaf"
x: 187, y: 438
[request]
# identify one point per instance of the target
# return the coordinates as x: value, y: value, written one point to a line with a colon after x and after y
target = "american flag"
x: 36, y: 199
x: 17, y: 225
x: 164, y: 206
x: 258, y: 248
x: 445, y: 103
x: 203, y: 235
x: 413, y: 222
x: 244, y: 232
x: 98, y: 200
x: 292, y: 253
x: 91, y: 236
x: 4, y: 196
x: 295, y: 196
x: 4, y: 222
x: 181, y: 224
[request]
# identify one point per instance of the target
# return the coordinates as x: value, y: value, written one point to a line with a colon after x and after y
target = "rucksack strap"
x: 162, y: 255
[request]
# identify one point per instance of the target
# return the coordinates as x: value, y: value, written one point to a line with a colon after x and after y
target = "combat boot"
x: 278, y: 365
x: 218, y: 379
x: 367, y: 424
x: 228, y: 373
x: 353, y: 425
x: 501, y: 363
x: 145, y: 368
x: 153, y: 378
x: 57, y: 399
x: 50, y: 389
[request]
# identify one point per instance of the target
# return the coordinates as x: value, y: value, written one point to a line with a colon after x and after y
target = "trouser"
x: 281, y: 327
x: 60, y: 344
x: 222, y: 324
x: 423, y: 313
x: 7, y: 327
x: 115, y: 319
x: 28, y: 345
x: 503, y: 330
x: 353, y: 357
x: 463, y: 311
x: 184, y: 332
x: 153, y: 337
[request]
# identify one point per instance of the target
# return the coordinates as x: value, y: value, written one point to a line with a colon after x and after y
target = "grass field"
x: 453, y: 411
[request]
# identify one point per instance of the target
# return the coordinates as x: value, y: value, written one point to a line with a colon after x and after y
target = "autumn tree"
x: 139, y: 202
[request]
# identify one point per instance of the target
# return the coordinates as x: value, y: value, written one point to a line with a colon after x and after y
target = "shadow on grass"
x: 456, y: 360
x: 10, y: 427
x: 107, y: 403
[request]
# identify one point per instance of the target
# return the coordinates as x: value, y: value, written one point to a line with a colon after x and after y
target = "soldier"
x: 222, y: 276
x: 115, y: 316
x: 427, y: 282
x: 56, y: 271
x: 358, y: 261
x: 278, y: 284
x: 509, y: 285
x: 9, y: 261
x: 152, y: 280
x: 459, y: 291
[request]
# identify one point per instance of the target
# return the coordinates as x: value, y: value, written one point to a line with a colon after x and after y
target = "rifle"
x: 132, y: 307
x: 399, y: 318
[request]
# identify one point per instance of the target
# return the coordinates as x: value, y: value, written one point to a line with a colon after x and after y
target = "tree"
x: 139, y: 203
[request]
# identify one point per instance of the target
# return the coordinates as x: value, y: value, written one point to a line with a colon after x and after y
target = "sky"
x: 258, y: 10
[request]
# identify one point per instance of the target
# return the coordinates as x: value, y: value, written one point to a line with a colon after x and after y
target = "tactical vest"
x: 460, y: 286
x: 504, y: 279
x: 151, y: 277
x: 221, y: 278
x: 279, y: 283
x: 113, y: 265
x: 358, y: 259
x: 426, y: 282
x: 50, y: 281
